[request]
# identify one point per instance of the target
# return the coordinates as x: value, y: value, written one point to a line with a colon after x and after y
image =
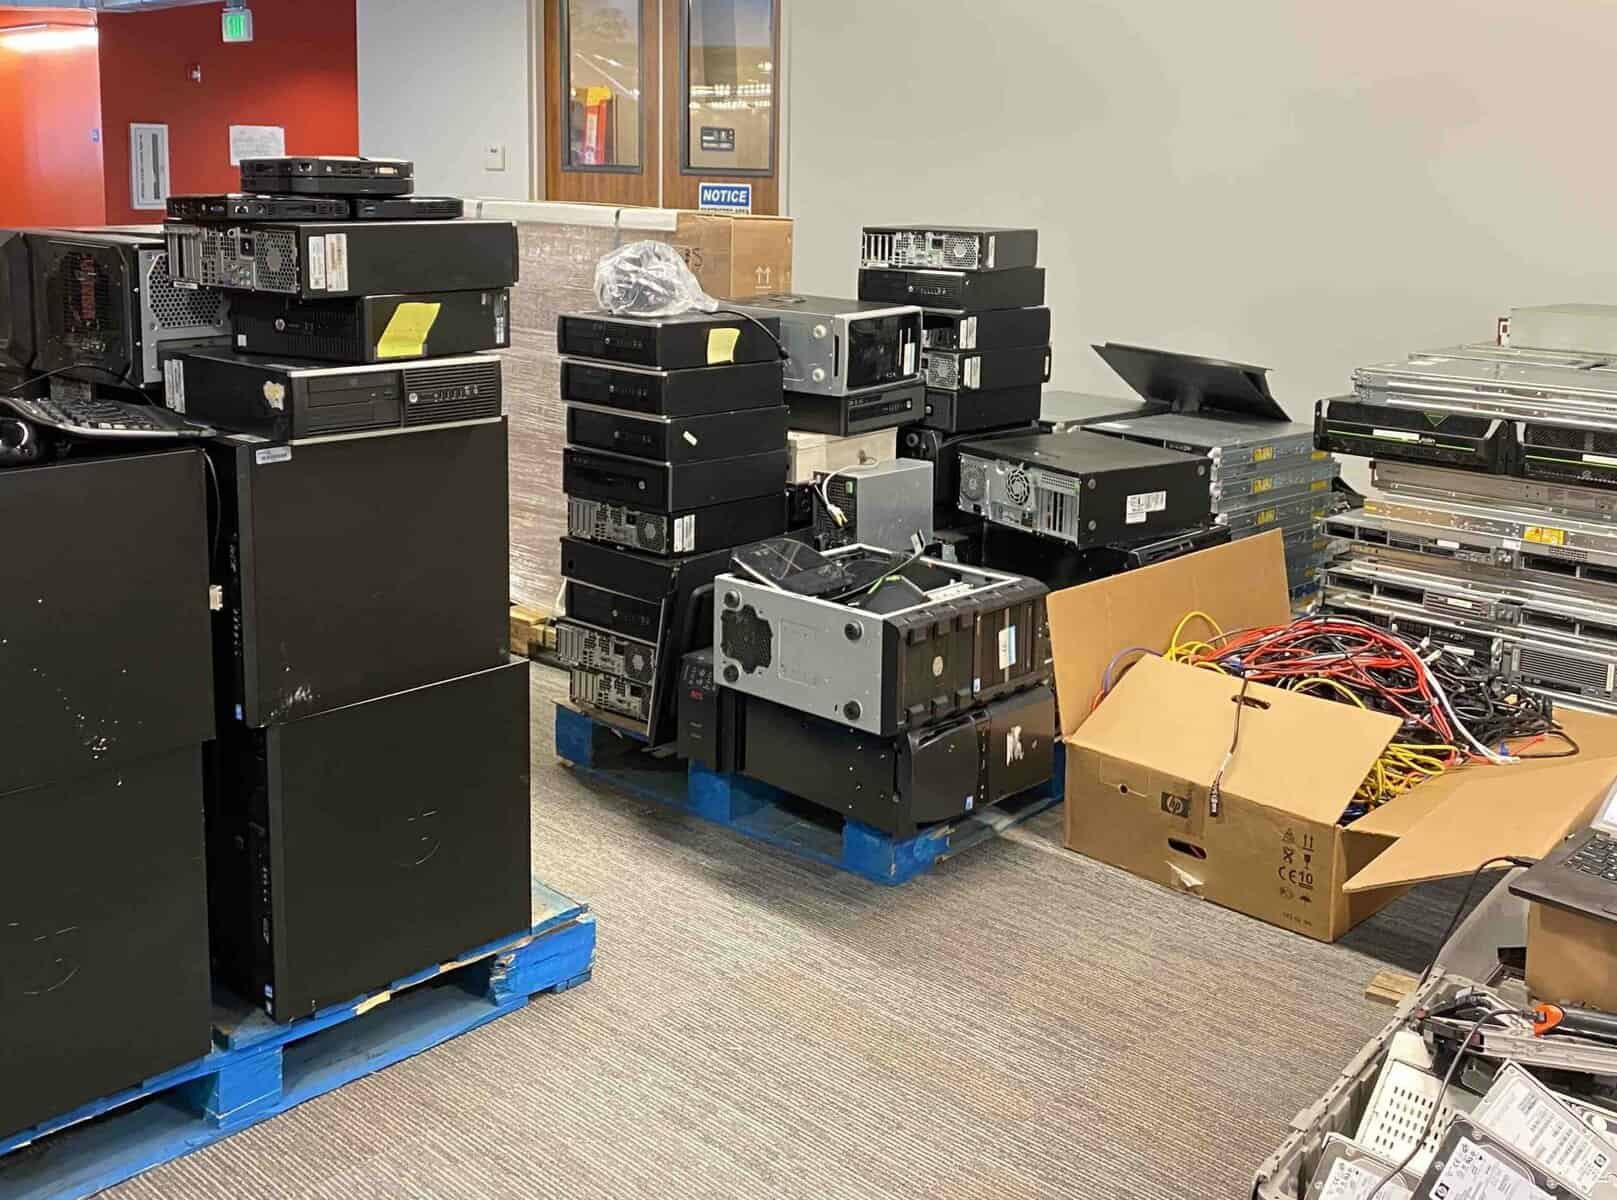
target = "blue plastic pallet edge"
x: 754, y: 809
x: 259, y: 1069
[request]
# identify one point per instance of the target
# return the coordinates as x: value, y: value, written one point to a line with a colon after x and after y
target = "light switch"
x: 494, y: 157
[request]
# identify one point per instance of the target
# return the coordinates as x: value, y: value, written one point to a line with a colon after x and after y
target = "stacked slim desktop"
x: 676, y: 453
x: 368, y: 798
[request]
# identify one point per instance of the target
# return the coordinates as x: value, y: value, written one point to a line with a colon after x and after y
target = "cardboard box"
x: 1571, y: 959
x: 735, y: 257
x: 1141, y: 763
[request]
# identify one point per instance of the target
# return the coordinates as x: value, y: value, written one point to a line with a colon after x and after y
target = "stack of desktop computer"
x: 106, y: 674
x: 368, y: 801
x: 676, y: 453
x: 985, y: 336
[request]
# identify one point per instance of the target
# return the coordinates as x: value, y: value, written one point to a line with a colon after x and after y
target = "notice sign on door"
x: 148, y: 166
x: 724, y: 197
x: 718, y: 139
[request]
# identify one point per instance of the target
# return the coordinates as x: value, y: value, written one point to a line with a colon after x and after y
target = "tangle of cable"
x: 1452, y: 710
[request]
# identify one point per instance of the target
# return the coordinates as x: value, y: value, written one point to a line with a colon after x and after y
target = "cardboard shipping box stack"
x: 731, y: 256
x: 1141, y: 763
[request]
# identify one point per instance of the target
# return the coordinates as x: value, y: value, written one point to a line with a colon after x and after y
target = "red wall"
x: 299, y: 72
x: 50, y: 110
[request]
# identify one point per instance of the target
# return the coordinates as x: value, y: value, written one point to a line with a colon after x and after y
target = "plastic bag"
x: 648, y: 279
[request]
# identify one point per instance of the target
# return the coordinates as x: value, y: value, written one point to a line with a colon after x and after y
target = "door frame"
x: 640, y: 185
x: 680, y: 182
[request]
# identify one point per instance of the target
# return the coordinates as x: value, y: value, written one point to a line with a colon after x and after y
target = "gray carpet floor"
x: 1022, y: 1022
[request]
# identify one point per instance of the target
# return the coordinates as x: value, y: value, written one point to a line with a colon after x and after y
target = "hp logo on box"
x: 725, y: 197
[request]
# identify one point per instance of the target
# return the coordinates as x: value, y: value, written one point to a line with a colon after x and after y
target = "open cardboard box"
x: 1141, y: 763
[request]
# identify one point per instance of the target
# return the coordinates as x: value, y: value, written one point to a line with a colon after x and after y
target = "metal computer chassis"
x: 1574, y: 666
x: 1515, y: 528
x: 1535, y: 561
x: 982, y: 636
x: 1435, y: 483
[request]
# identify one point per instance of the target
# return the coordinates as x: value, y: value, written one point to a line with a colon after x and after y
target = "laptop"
x: 1579, y: 875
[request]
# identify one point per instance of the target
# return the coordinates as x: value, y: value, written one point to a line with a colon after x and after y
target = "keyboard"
x: 94, y: 417
x: 1597, y: 856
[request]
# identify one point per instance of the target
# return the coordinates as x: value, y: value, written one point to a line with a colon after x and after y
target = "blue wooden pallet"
x: 258, y: 1069
x: 767, y: 814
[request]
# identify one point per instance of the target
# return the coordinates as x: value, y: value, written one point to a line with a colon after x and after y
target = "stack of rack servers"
x: 1493, y: 527
x: 985, y: 336
x: 1265, y: 472
x: 676, y: 452
x: 367, y: 788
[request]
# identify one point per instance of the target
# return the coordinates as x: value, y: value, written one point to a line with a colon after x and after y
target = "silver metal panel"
x: 1312, y: 476
x: 1515, y: 528
x: 1579, y: 397
x: 169, y: 313
x: 1230, y: 442
x: 824, y: 657
x: 891, y: 502
x: 1409, y: 479
x: 814, y: 331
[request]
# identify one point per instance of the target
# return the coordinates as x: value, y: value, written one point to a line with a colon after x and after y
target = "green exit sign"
x: 238, y: 25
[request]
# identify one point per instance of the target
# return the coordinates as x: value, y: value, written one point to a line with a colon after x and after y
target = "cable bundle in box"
x: 1453, y: 711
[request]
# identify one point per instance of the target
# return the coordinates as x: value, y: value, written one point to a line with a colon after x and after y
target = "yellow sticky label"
x: 1266, y: 516
x: 407, y: 330
x: 1544, y: 536
x: 1263, y: 454
x: 1259, y: 486
x: 1319, y: 485
x: 721, y: 345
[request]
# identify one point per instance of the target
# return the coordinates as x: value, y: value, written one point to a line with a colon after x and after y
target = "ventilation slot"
x: 1057, y: 512
x: 942, y: 371
x: 462, y: 392
x: 181, y: 308
x: 960, y: 251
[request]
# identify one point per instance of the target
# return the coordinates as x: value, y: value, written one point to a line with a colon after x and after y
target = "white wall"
x: 1302, y: 184
x: 438, y: 82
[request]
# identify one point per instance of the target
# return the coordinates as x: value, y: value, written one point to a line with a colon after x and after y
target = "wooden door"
x: 721, y: 99
x: 603, y: 101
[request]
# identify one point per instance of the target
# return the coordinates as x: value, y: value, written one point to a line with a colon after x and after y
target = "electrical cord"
x: 834, y: 511
x: 1451, y: 713
x: 218, y: 523
x: 1508, y: 860
x: 768, y: 332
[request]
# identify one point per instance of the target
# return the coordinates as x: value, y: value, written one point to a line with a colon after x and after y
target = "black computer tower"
x: 104, y: 652
x: 360, y: 567
x: 103, y: 935
x: 351, y: 849
x: 105, y: 701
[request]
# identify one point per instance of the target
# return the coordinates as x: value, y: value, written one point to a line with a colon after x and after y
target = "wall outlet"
x: 494, y: 157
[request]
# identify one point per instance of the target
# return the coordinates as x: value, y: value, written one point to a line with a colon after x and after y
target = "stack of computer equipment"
x: 676, y: 453
x: 1265, y: 472
x: 1493, y: 530
x: 985, y: 335
x: 84, y: 317
x: 367, y: 799
x: 895, y: 689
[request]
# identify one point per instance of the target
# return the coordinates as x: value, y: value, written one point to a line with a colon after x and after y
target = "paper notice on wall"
x: 256, y: 141
x: 148, y: 166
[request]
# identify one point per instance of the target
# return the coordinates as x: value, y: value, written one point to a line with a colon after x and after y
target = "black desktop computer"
x: 360, y: 567
x: 351, y: 849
